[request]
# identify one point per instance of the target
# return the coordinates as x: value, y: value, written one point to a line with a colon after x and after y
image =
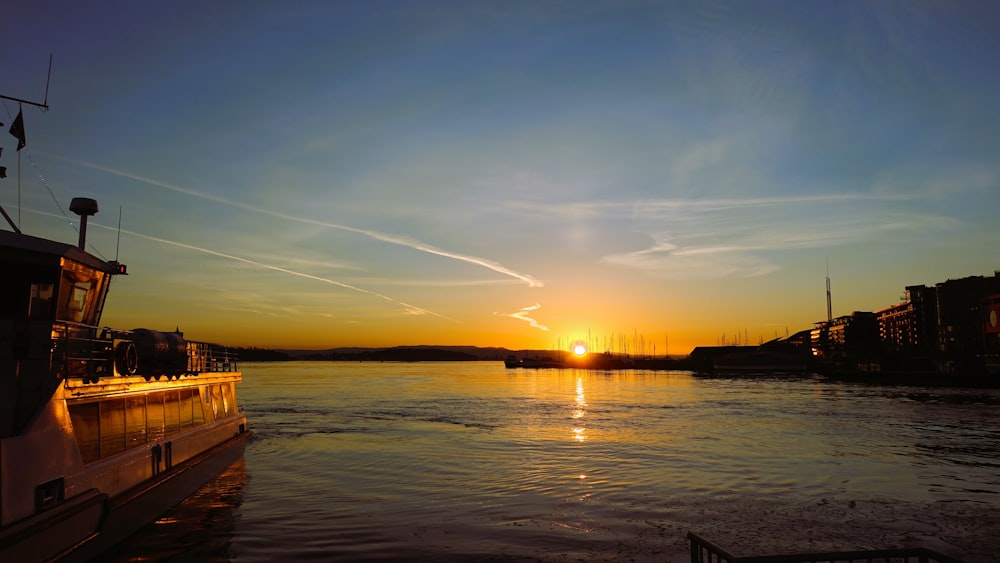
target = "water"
x: 471, y: 461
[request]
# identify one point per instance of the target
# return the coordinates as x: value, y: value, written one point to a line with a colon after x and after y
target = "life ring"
x: 126, y: 358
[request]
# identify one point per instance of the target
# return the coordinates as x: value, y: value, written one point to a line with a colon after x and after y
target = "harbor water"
x: 469, y: 461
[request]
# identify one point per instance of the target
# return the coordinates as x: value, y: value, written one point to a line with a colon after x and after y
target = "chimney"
x: 84, y: 207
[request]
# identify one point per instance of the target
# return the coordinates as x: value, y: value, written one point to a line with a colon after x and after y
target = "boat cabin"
x: 53, y: 297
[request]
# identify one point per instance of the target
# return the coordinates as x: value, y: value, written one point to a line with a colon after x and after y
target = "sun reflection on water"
x: 579, y: 411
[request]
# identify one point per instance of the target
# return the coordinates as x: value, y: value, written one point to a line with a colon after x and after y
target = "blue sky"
x: 316, y: 174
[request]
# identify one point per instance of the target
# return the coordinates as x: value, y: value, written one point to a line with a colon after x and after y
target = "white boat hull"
x: 90, y: 523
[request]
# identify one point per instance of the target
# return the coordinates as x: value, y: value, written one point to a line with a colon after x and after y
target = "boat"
x: 605, y: 362
x: 533, y: 362
x: 101, y: 430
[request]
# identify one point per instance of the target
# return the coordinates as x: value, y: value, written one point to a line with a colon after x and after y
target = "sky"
x: 643, y: 176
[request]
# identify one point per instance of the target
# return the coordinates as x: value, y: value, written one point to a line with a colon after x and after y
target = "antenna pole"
x: 119, y: 239
x: 45, y: 104
x: 47, y: 80
x: 20, y: 101
x: 829, y: 297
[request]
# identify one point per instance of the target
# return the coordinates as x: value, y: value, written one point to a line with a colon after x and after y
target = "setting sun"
x: 579, y: 350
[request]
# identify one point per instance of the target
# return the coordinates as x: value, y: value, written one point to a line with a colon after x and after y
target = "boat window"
x: 199, y: 407
x: 80, y: 293
x: 112, y: 426
x: 172, y: 413
x: 186, y: 409
x: 217, y: 412
x: 16, y: 287
x: 87, y: 429
x: 228, y: 404
x: 135, y: 421
x: 155, y: 421
x: 40, y: 306
x: 77, y: 301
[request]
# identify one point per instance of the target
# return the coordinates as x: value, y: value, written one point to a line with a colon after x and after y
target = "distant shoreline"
x: 411, y: 354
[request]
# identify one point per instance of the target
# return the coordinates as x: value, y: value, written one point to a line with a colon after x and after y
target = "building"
x: 960, y: 315
x: 944, y: 328
x: 991, y: 333
x: 910, y: 328
x: 850, y: 341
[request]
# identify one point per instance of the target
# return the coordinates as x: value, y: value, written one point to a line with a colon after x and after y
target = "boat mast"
x: 45, y: 107
x: 45, y: 103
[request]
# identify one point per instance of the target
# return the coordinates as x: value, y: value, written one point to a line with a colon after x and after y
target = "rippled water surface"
x: 471, y: 461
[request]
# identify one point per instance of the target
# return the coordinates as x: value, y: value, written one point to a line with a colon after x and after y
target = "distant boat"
x: 604, y: 361
x: 533, y: 362
x: 101, y: 430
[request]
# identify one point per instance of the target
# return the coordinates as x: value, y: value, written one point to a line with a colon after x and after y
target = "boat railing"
x: 90, y: 352
x: 78, y: 351
x: 704, y: 551
x: 204, y: 357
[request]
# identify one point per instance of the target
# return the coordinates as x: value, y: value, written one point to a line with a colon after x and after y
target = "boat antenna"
x: 117, y: 267
x: 45, y: 107
x: 119, y: 239
x: 45, y: 103
x: 48, y: 79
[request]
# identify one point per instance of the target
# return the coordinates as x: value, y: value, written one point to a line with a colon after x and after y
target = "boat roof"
x: 12, y: 243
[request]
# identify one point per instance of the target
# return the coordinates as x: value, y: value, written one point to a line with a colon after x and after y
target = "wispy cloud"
x: 708, y: 238
x: 377, y: 235
x: 437, y: 283
x: 732, y: 237
x: 602, y: 208
x: 523, y: 315
x: 408, y: 308
x: 667, y: 259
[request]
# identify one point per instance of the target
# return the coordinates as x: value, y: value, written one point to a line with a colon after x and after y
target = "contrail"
x: 413, y: 308
x: 402, y: 241
x: 523, y: 315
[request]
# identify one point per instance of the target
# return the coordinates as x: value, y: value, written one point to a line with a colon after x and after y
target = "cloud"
x: 384, y: 237
x: 711, y: 238
x: 408, y: 308
x: 523, y: 315
x: 666, y: 259
x: 715, y: 238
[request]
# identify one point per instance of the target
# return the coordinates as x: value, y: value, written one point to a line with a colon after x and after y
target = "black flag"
x: 17, y: 130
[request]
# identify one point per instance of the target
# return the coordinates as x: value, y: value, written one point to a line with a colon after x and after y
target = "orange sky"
x: 509, y: 174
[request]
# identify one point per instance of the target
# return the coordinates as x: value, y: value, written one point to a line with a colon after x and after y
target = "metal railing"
x: 704, y: 551
x: 89, y: 352
x: 204, y: 357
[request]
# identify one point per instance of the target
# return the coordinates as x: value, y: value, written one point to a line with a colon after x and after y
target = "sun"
x: 579, y: 350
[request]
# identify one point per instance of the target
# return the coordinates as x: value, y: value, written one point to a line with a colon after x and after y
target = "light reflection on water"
x: 434, y: 461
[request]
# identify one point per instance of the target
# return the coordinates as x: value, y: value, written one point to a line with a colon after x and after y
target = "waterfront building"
x: 991, y: 333
x: 910, y: 327
x: 960, y: 315
x: 850, y: 339
x: 943, y: 328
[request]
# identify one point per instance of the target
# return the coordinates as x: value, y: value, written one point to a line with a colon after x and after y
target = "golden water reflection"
x: 579, y: 411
